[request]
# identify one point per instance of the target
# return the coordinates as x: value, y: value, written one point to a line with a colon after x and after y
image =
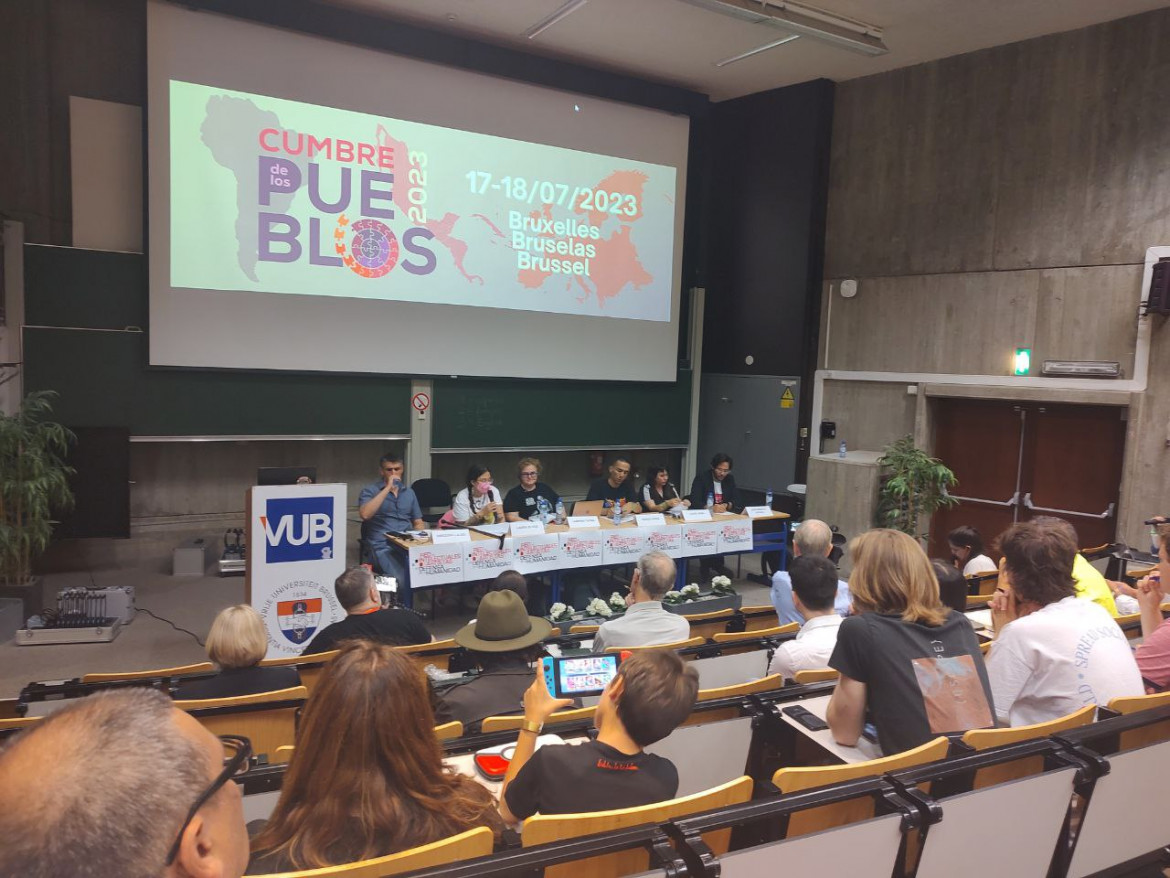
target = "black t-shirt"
x: 601, y: 489
x: 921, y: 681
x: 650, y: 493
x: 524, y: 502
x: 574, y: 779
x: 232, y: 682
x: 396, y: 627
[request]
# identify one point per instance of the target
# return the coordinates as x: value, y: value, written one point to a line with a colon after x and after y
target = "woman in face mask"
x: 479, y: 502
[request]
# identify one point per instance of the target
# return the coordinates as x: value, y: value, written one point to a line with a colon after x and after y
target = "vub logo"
x: 299, y: 529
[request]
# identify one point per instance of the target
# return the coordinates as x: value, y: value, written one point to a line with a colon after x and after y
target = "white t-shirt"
x: 1059, y: 659
x: 463, y: 507
x: 810, y: 650
x: 979, y: 564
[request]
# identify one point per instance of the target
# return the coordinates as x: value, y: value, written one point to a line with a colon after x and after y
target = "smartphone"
x: 574, y: 676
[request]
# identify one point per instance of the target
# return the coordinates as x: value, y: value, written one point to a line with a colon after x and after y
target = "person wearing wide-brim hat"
x: 504, y: 641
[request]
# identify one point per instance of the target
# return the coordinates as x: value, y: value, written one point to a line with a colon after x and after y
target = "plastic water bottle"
x: 542, y: 509
x: 1153, y: 539
x: 768, y: 498
x: 841, y: 451
x: 617, y: 511
x: 560, y: 511
x: 710, y: 499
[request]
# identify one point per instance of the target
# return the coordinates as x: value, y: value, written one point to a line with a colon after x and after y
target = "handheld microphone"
x: 1157, y: 519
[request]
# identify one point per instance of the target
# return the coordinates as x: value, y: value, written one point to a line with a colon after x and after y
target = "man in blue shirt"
x: 389, y: 505
x: 813, y: 537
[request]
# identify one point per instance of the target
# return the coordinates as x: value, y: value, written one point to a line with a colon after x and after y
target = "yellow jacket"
x: 1091, y: 585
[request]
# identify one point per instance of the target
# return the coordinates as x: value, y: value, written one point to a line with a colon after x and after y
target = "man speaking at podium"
x: 389, y: 505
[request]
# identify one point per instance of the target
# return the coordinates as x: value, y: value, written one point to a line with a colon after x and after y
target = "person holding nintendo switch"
x: 651, y: 694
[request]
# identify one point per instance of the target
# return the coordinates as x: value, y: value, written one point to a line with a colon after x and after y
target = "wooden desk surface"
x: 819, y: 705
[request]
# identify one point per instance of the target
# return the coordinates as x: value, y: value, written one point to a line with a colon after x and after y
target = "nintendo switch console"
x: 576, y: 676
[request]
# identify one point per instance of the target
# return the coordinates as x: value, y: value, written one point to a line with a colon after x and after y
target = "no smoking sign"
x: 420, y: 403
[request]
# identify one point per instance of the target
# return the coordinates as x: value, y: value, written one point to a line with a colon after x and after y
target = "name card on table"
x: 536, y: 553
x: 696, y: 515
x: 758, y: 511
x: 485, y: 559
x: 581, y: 549
x: 649, y: 519
x: 435, y: 565
x: 735, y: 536
x: 452, y: 535
x: 580, y: 521
x: 624, y: 546
x: 527, y: 528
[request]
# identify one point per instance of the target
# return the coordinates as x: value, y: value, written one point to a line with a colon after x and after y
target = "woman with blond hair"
x: 911, y: 664
x: 367, y: 777
x: 236, y: 644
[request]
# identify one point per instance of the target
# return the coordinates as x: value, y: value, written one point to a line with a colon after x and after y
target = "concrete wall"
x: 999, y: 199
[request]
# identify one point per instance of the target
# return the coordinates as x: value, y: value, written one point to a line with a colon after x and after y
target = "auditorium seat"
x: 985, y: 739
x: 982, y: 583
x: 543, y: 828
x: 707, y: 754
x: 159, y: 673
x: 449, y: 731
x: 309, y: 667
x: 1131, y: 625
x: 678, y: 644
x: 759, y: 616
x: 792, y: 780
x: 465, y: 846
x: 432, y: 494
x: 764, y: 684
x: 584, y: 629
x: 512, y: 723
x: 706, y: 625
x: 437, y: 653
x: 739, y: 636
x: 1151, y: 734
x: 977, y: 601
x: 12, y: 725
x: 818, y: 676
x: 268, y: 719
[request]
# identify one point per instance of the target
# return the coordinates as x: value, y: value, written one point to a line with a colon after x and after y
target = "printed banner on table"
x: 537, y: 553
x: 624, y: 545
x: 486, y: 559
x: 700, y: 538
x: 666, y: 539
x: 436, y: 565
x: 735, y: 536
x: 581, y: 548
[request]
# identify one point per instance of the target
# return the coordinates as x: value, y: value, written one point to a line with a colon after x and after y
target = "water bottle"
x: 842, y: 450
x: 1153, y: 539
x: 542, y: 509
x: 560, y: 511
x: 710, y: 499
x: 617, y: 511
x: 768, y: 498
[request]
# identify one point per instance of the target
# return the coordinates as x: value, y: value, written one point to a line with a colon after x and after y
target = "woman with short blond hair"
x: 909, y: 662
x: 237, y: 643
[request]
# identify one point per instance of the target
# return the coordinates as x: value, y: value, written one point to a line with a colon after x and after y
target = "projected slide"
x: 278, y: 196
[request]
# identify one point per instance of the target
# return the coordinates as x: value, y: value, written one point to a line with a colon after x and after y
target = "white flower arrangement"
x: 617, y: 601
x: 598, y: 607
x: 691, y: 591
x: 720, y: 582
x: 559, y: 612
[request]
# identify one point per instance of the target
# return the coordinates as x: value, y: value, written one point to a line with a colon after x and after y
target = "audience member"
x: 367, y: 777
x: 511, y: 580
x: 814, y: 588
x: 646, y: 622
x: 479, y: 501
x: 911, y: 664
x: 1053, y: 653
x: 652, y: 693
x: 659, y: 494
x: 503, y: 641
x: 366, y: 619
x: 521, y: 503
x: 388, y: 505
x: 237, y: 643
x: 715, y: 489
x: 1090, y: 584
x: 952, y: 585
x: 1153, y: 656
x: 120, y: 783
x: 813, y: 537
x: 967, y: 551
x: 615, y: 486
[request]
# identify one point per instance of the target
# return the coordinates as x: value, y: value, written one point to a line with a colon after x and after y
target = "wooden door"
x: 1015, y: 461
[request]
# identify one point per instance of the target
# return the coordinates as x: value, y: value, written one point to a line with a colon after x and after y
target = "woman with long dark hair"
x: 479, y: 502
x: 367, y: 778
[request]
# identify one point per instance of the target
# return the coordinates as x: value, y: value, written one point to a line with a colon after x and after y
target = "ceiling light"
x: 757, y: 50
x: 548, y: 21
x: 800, y: 18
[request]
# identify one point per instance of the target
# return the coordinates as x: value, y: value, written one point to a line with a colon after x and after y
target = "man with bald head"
x: 813, y: 537
x: 120, y: 783
x: 646, y: 622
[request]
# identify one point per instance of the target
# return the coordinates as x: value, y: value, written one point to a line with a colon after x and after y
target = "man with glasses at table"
x: 715, y: 490
x: 122, y: 783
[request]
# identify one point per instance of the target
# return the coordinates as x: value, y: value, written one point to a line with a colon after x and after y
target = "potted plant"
x: 914, y: 486
x: 34, y: 484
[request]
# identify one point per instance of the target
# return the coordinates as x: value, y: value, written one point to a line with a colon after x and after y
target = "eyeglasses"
x: 234, y: 765
x: 531, y: 475
x: 723, y: 470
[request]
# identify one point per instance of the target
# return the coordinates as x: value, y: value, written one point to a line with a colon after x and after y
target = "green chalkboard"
x: 104, y: 378
x: 518, y: 413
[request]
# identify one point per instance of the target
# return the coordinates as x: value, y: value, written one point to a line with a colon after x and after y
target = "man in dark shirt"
x: 616, y: 485
x: 360, y: 599
x: 717, y: 485
x: 521, y: 502
x: 653, y: 692
x: 388, y: 505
